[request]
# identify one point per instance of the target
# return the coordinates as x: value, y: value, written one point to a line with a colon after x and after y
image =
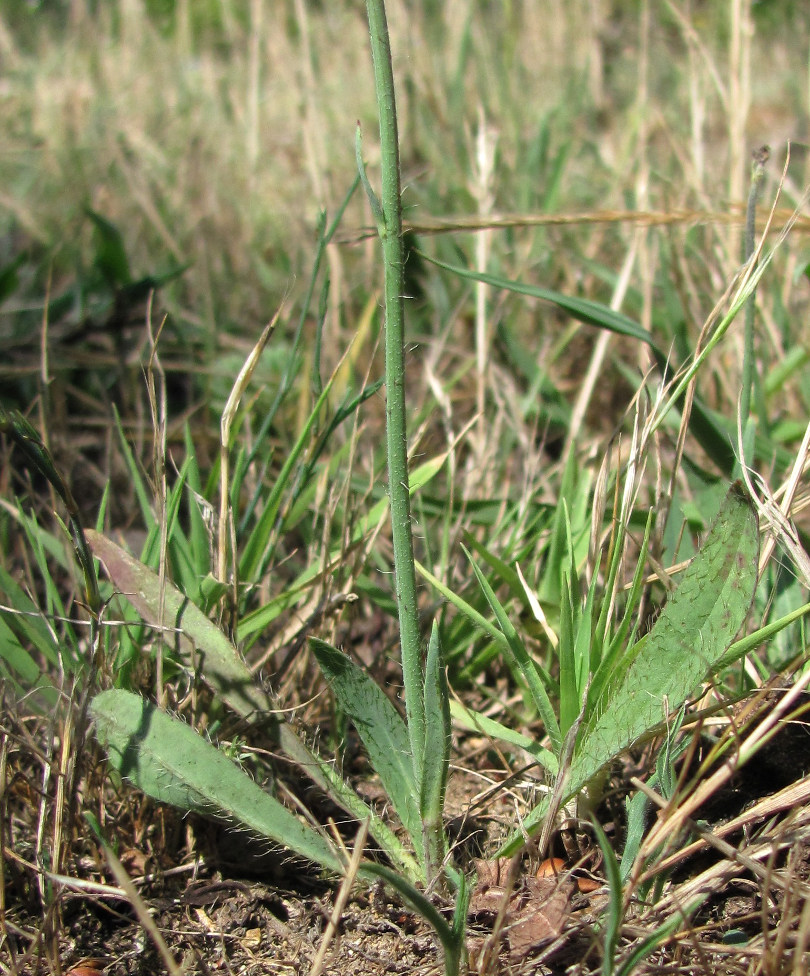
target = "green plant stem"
x: 749, y: 373
x: 390, y: 228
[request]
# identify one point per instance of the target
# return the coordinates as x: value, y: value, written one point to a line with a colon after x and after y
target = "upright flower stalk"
x: 388, y: 214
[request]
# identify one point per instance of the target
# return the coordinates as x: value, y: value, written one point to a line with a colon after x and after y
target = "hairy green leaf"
x: 692, y: 633
x: 380, y: 727
x: 229, y: 677
x: 436, y: 755
x: 688, y: 640
x: 220, y: 663
x: 172, y: 763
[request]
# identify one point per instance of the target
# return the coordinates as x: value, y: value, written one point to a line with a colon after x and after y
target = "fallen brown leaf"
x: 541, y: 916
x: 537, y: 907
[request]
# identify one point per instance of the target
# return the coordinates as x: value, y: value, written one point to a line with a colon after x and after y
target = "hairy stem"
x: 389, y: 217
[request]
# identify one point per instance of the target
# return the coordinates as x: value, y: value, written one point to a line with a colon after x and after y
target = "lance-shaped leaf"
x: 172, y: 763
x: 692, y: 633
x: 228, y: 676
x: 436, y: 756
x: 221, y: 666
x: 689, y: 639
x: 381, y: 728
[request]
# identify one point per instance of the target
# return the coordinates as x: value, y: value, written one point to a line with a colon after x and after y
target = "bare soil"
x: 225, y: 904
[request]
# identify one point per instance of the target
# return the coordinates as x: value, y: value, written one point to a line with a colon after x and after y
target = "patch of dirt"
x: 225, y: 904
x: 250, y: 928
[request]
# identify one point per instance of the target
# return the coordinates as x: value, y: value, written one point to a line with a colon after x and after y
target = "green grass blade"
x: 503, y: 569
x: 467, y: 609
x: 584, y: 651
x: 451, y: 943
x: 17, y: 663
x: 754, y: 640
x: 569, y: 696
x: 30, y: 445
x: 142, y: 493
x: 524, y: 662
x: 254, y: 553
x: 260, y: 618
x: 582, y: 309
x: 609, y: 643
x: 173, y: 764
x: 611, y: 927
x: 657, y: 938
x: 570, y: 528
x: 709, y: 429
x: 28, y: 624
x: 495, y: 730
x: 41, y: 538
x: 198, y: 539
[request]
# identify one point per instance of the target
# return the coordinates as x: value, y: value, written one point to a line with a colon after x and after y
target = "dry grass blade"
x: 673, y: 819
x: 640, y: 218
x: 342, y: 899
x: 141, y: 910
x: 792, y: 797
x: 234, y: 399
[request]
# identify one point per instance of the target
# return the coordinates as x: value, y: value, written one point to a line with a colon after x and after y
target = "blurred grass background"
x: 195, y: 144
x: 212, y: 133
